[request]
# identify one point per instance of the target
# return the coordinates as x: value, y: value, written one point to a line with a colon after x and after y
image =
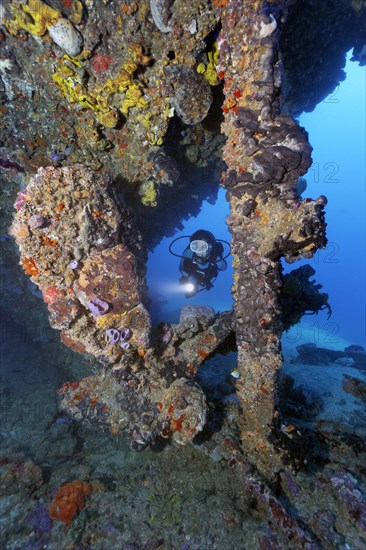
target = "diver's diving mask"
x: 199, y: 247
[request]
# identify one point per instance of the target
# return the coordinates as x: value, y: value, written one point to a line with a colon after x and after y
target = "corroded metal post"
x: 265, y: 154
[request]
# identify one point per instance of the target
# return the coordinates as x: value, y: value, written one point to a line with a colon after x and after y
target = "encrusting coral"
x: 80, y: 244
x: 81, y: 256
x: 33, y: 16
x: 141, y: 96
x: 209, y: 69
x: 265, y: 153
x: 37, y: 18
x: 123, y: 94
x: 71, y: 237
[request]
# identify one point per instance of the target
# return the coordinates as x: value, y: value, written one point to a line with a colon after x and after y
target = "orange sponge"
x: 69, y: 501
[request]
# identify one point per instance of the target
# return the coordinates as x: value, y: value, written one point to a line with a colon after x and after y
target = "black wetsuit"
x: 202, y: 270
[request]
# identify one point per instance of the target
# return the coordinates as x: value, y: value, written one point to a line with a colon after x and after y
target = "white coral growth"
x: 268, y: 28
x: 66, y: 36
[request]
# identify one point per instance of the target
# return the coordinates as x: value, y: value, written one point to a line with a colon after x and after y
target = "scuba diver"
x: 201, y: 261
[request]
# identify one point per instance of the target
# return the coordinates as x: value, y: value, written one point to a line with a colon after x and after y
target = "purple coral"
x: 125, y: 334
x: 21, y: 200
x: 351, y: 498
x: 37, y: 221
x: 39, y: 520
x: 292, y: 486
x: 98, y: 307
x: 59, y: 157
x: 114, y: 335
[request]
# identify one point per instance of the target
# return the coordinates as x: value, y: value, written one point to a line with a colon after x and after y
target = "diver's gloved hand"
x: 183, y: 280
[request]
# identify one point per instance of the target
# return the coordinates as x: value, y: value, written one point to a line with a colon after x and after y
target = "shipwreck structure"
x: 265, y: 153
x: 129, y: 110
x: 81, y: 243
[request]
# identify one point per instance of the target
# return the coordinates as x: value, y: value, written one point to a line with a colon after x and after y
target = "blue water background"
x: 336, y: 130
x: 337, y: 133
x: 163, y: 268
